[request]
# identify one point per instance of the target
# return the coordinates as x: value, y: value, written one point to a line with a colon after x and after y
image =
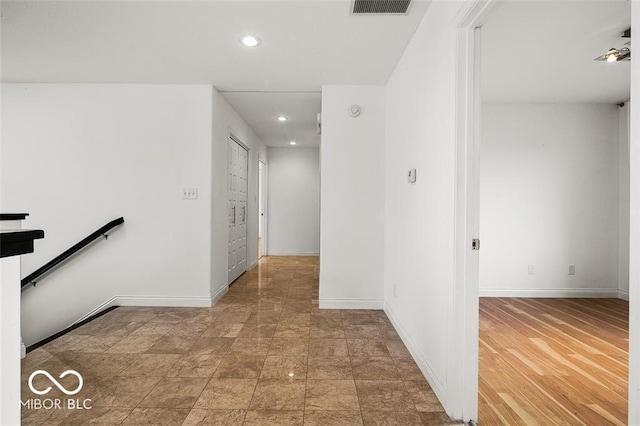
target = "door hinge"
x: 475, y: 244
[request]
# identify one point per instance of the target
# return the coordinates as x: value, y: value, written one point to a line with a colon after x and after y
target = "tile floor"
x: 263, y: 355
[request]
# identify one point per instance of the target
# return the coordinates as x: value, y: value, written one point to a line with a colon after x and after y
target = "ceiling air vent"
x: 378, y: 7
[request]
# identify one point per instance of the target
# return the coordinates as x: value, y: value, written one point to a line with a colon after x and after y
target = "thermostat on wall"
x: 412, y: 176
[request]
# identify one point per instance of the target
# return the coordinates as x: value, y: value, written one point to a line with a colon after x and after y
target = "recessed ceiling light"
x: 250, y: 40
x: 282, y: 118
x: 292, y: 143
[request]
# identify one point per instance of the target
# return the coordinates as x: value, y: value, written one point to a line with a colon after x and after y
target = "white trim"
x: 218, y: 295
x: 634, y: 230
x: 293, y: 254
x: 159, y: 301
x: 164, y: 301
x: 463, y: 318
x: 606, y: 293
x: 109, y: 303
x: 236, y: 139
x: 264, y: 207
x: 350, y: 304
x: 624, y: 295
x: 435, y: 382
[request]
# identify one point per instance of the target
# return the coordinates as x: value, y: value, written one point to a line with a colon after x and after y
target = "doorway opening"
x: 262, y: 209
x: 549, y: 193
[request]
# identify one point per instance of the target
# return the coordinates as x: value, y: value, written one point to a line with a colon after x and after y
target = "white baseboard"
x: 164, y: 301
x: 557, y: 293
x: 291, y: 254
x: 223, y: 290
x: 109, y: 303
x: 159, y: 301
x: 349, y: 304
x: 435, y: 382
x: 624, y: 295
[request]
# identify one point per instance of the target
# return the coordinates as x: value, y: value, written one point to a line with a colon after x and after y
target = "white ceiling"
x: 260, y: 110
x: 543, y: 52
x: 532, y: 51
x: 305, y: 44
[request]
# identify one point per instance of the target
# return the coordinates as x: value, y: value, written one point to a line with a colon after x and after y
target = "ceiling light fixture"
x: 282, y: 118
x: 292, y: 143
x: 618, y: 55
x: 249, y: 40
x: 611, y: 55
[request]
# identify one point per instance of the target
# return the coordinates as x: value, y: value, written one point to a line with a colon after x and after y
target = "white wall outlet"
x: 190, y: 194
x: 572, y: 269
x: 531, y: 269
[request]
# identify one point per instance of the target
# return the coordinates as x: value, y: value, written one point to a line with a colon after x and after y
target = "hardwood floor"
x: 553, y: 361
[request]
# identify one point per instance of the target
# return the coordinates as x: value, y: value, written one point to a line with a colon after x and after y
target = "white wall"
x: 10, y: 340
x: 352, y: 198
x: 294, y: 201
x: 226, y: 121
x: 419, y: 218
x: 623, y: 202
x: 78, y: 156
x: 549, y: 198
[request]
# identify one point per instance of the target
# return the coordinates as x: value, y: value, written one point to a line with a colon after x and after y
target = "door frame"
x: 263, y: 198
x: 462, y: 348
x: 634, y: 230
x: 462, y: 367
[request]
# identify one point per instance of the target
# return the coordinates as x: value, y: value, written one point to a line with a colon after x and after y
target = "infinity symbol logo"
x: 55, y: 382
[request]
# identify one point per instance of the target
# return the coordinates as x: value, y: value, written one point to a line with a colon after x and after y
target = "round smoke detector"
x: 354, y: 110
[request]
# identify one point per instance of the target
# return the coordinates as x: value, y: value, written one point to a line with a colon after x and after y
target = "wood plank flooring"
x: 553, y: 361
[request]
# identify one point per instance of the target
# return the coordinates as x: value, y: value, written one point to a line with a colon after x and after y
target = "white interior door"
x: 237, y: 165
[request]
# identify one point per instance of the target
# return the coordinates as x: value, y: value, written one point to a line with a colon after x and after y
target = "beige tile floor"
x: 263, y: 355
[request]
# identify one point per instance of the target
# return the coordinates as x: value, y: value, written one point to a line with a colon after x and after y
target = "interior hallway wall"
x: 352, y: 198
x: 76, y: 156
x: 227, y: 121
x: 294, y: 201
x: 549, y: 198
x: 420, y: 217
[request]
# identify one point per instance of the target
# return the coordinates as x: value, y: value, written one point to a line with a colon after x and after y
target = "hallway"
x: 264, y: 354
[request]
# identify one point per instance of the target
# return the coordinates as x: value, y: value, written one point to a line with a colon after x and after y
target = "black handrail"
x: 31, y: 278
